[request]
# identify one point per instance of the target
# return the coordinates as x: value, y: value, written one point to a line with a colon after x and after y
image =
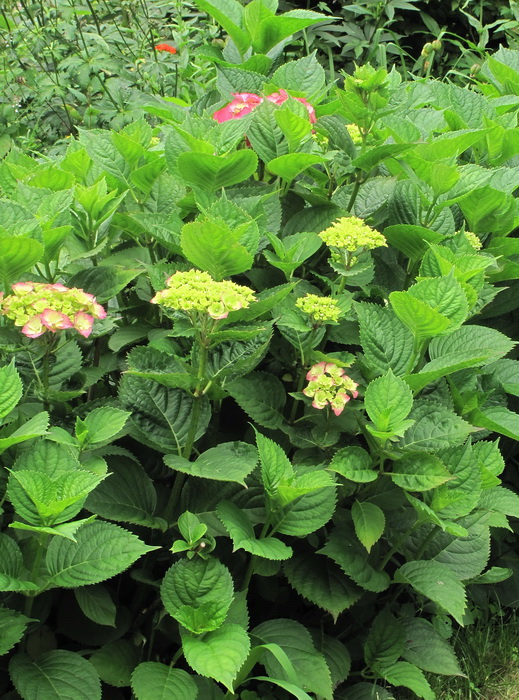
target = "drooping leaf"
x: 229, y: 461
x: 218, y: 654
x: 437, y: 582
x: 96, y: 603
x: 427, y: 649
x: 369, y: 522
x: 12, y: 627
x: 355, y: 464
x: 242, y: 534
x: 115, y: 661
x: 203, y: 585
x: 322, y: 584
x: 10, y: 389
x: 295, y: 640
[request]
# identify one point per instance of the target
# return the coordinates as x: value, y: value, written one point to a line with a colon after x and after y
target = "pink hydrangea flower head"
x: 279, y: 97
x: 330, y: 386
x: 34, y: 327
x: 55, y: 320
x: 83, y: 323
x: 243, y: 103
x: 59, y: 287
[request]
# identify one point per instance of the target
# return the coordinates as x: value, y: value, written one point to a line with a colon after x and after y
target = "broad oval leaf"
x: 155, y: 681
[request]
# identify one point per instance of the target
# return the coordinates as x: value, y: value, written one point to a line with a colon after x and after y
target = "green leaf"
x: 292, y: 164
x: 478, y: 339
x: 160, y: 416
x: 506, y: 373
x: 411, y: 240
x: 104, y: 423
x: 354, y: 464
x: 307, y: 513
x: 96, y: 603
x: 369, y: 522
x: 17, y: 255
x: 294, y: 639
x: 262, y: 396
x: 229, y: 461
x: 102, y: 550
x: 427, y: 649
x: 437, y: 582
x: 385, y: 642
x: 12, y: 573
x: 405, y: 674
x: 434, y: 428
x: 322, y: 584
x: 155, y: 681
x: 388, y: 401
x: 35, y: 426
x: 272, y: 30
x: 445, y: 365
x: 12, y: 628
x: 419, y: 472
x: 219, y: 654
x: 242, y: 534
x: 418, y: 316
x: 203, y: 585
x: 228, y: 13
x: 213, y: 246
x: 351, y: 557
x: 386, y: 341
x: 304, y: 75
x: 213, y: 172
x: 115, y: 661
x: 460, y: 495
x: 11, y: 389
x: 377, y: 154
x: 498, y: 419
x: 55, y: 675
x: 275, y: 465
x: 127, y: 495
x: 103, y: 282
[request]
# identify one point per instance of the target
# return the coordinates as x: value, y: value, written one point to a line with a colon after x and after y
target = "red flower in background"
x: 243, y: 103
x: 166, y: 47
x: 279, y: 97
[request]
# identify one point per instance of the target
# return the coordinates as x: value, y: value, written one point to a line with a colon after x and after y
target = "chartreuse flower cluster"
x: 329, y: 385
x: 40, y: 307
x: 355, y: 133
x: 473, y: 240
x: 320, y: 309
x: 351, y: 234
x: 198, y: 291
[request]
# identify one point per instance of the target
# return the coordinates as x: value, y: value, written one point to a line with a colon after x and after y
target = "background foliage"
x: 177, y: 518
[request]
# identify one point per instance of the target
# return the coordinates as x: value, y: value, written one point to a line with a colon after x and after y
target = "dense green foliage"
x: 277, y: 466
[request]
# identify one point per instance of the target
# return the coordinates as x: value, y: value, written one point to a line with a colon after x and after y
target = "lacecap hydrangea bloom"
x: 329, y: 385
x: 39, y: 307
x: 321, y: 309
x: 198, y: 291
x: 351, y: 233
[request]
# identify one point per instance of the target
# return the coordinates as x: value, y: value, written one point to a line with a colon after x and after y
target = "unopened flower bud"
x: 436, y: 45
x: 427, y: 49
x: 475, y: 68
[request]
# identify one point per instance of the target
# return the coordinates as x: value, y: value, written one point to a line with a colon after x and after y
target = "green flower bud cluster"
x: 198, y: 291
x: 473, y: 240
x: 351, y: 233
x: 321, y: 309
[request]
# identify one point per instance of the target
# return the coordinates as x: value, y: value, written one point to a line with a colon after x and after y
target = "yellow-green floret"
x: 321, y: 309
x: 351, y: 233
